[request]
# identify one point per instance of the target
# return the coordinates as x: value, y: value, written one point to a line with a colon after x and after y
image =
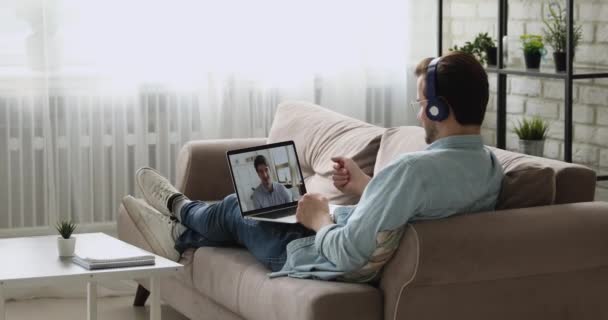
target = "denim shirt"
x: 456, y: 174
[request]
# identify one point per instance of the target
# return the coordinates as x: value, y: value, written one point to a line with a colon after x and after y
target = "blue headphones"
x: 436, y: 108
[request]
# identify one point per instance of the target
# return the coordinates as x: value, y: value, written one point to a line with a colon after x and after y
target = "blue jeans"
x: 222, y: 225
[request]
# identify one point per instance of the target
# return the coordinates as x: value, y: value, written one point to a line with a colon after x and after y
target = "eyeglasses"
x: 417, y: 104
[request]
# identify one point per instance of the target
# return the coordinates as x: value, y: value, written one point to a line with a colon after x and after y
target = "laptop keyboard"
x: 278, y: 214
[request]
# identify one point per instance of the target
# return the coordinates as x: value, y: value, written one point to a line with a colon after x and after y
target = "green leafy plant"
x: 478, y: 47
x: 65, y: 228
x: 532, y: 129
x: 556, y: 29
x: 532, y: 43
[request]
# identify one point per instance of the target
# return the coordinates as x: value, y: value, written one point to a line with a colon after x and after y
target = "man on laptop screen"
x: 268, y: 193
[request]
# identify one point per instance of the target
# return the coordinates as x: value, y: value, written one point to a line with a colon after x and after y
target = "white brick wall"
x: 583, y: 114
x: 487, y: 9
x: 601, y: 137
x: 512, y: 142
x: 516, y: 29
x: 553, y: 149
x: 604, y: 158
x: 457, y: 27
x: 583, y: 133
x: 556, y: 130
x: 556, y: 90
x: 475, y: 27
x: 601, y: 194
x: 585, y: 154
x: 515, y: 104
x: 588, y: 30
x: 594, y: 95
x: 543, y: 108
x: 601, y: 33
x: 491, y: 103
x: 488, y: 136
x: 525, y: 10
x: 602, y: 116
x: 534, y: 28
x: 525, y: 86
x: 463, y: 10
x: 490, y: 120
x: 492, y: 82
x: 593, y: 12
x: 592, y: 54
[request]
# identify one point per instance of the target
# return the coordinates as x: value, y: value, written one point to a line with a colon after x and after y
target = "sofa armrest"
x: 202, y: 168
x: 530, y: 261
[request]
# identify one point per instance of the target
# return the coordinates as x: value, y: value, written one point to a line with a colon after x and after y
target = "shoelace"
x: 158, y: 190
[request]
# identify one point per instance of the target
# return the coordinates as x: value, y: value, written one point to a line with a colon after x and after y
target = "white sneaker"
x: 155, y: 188
x: 159, y: 230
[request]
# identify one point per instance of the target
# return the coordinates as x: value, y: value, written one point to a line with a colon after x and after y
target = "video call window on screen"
x: 267, y: 178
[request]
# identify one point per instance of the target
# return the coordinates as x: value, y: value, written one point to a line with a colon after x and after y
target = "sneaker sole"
x: 133, y: 205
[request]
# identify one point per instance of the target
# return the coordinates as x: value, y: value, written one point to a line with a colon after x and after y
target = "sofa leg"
x: 141, y: 296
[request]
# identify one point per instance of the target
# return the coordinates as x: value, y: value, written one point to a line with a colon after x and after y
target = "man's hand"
x: 348, y: 177
x: 313, y: 211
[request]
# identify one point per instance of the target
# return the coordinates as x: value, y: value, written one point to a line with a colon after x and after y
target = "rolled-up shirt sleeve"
x: 391, y: 198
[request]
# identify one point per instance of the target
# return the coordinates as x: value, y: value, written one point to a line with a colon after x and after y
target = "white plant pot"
x: 65, y: 247
x: 532, y: 147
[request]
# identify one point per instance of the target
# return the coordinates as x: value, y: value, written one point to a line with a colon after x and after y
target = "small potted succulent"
x: 534, y: 50
x: 483, y: 48
x: 556, y: 33
x: 65, y: 242
x: 532, y: 133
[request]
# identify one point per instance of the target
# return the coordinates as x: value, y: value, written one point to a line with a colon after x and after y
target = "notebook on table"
x: 92, y: 256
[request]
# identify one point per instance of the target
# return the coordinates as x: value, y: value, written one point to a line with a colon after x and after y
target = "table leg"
x: 2, y: 306
x: 92, y: 300
x: 155, y: 303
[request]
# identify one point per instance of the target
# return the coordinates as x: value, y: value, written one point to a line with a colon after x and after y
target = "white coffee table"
x: 33, y: 261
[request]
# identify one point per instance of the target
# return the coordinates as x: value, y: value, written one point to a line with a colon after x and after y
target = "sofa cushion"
x: 320, y: 134
x: 396, y: 141
x: 573, y: 182
x: 526, y: 184
x: 234, y: 279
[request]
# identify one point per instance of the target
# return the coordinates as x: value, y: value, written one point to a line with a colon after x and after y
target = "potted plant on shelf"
x: 556, y: 33
x: 483, y: 48
x: 534, y: 50
x: 532, y: 133
x: 488, y: 45
x: 65, y: 242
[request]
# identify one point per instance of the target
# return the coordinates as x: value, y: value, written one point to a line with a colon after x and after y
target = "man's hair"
x: 259, y: 160
x: 463, y: 83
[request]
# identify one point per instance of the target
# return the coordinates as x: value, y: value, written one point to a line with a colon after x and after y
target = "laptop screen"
x: 267, y: 177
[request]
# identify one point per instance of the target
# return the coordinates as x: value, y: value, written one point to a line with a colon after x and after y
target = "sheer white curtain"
x: 92, y: 90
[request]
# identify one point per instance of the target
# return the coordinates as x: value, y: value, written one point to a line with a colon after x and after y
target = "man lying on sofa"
x: 454, y: 174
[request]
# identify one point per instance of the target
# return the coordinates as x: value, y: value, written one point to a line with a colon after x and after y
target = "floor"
x: 114, y: 308
x: 115, y: 302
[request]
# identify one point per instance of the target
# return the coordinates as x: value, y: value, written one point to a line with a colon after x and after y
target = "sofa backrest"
x: 320, y: 134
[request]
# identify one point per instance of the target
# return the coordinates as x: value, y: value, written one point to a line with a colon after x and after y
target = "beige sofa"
x: 547, y: 260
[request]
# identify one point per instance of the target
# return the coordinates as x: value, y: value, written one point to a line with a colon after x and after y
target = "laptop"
x: 268, y: 181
